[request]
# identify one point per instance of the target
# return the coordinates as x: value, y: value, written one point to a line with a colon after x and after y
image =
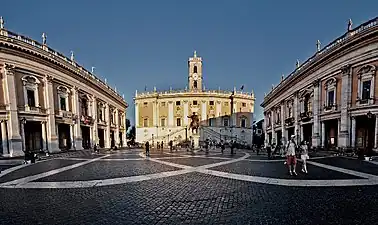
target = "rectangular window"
x: 244, y: 104
x: 195, y: 102
x: 178, y: 122
x: 84, y: 107
x: 145, y: 122
x: 211, y: 102
x: 162, y: 122
x: 226, y: 104
x: 31, y: 98
x: 366, y: 86
x: 225, y: 122
x: 331, y: 96
x: 178, y: 103
x: 145, y: 103
x: 63, y: 104
x: 163, y: 104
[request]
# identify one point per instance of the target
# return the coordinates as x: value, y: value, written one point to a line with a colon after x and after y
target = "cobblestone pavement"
x: 180, y: 187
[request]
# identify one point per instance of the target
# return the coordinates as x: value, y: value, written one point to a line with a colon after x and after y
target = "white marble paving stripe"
x: 292, y: 182
x: 99, y: 183
x: 283, y: 160
x: 223, y: 163
x: 373, y: 162
x: 124, y: 159
x: 211, y: 157
x: 174, y: 157
x: 342, y: 170
x: 49, y: 173
x: 4, y: 172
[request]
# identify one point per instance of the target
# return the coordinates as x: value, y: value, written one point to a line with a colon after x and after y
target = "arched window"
x: 366, y: 83
x: 195, y: 84
x: 243, y: 122
x: 195, y: 69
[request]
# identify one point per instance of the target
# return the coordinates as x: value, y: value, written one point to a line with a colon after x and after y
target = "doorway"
x: 64, y: 134
x: 86, y: 136
x: 33, y: 136
x: 101, y: 138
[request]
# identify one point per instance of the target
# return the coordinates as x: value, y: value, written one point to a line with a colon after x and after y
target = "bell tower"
x: 195, y: 73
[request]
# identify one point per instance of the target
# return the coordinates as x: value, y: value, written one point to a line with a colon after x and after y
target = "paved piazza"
x: 181, y: 187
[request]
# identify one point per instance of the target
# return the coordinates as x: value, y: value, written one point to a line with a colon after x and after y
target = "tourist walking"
x: 147, y: 148
x: 304, y: 156
x: 268, y: 150
x: 291, y: 158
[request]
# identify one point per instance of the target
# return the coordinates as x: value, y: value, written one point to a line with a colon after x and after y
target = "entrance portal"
x: 112, y: 141
x: 33, y: 136
x: 101, y: 138
x: 64, y: 136
x: 85, y: 134
x: 365, y: 133
x: 307, y: 133
x: 331, y: 133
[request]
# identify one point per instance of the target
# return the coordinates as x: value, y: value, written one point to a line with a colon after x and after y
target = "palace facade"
x: 331, y: 99
x: 224, y: 115
x: 49, y: 102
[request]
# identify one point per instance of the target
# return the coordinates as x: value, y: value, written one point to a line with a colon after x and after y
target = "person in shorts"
x: 290, y: 155
x: 304, y: 156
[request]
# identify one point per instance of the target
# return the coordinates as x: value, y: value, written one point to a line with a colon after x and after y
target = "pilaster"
x: 323, y: 134
x: 376, y: 132
x: 14, y: 134
x: 296, y: 112
x: 186, y: 113
x: 4, y: 139
x: 170, y: 113
x: 52, y: 139
x: 345, y: 99
x: 136, y: 115
x: 95, y: 121
x: 203, y: 112
x: 315, y: 109
x: 116, y: 138
x: 218, y: 109
x: 76, y: 111
x: 107, y: 132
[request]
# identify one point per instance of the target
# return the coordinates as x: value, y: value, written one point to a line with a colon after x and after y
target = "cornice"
x: 30, y: 49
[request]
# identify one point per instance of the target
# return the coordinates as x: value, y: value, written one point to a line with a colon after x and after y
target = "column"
x: 52, y: 137
x: 107, y: 132
x: 274, y: 138
x: 234, y: 115
x: 4, y: 139
x: 266, y: 137
x: 157, y: 119
x: 345, y: 99
x: 323, y: 134
x: 376, y: 132
x: 14, y: 134
x: 283, y: 130
x: 353, y: 131
x: 124, y: 139
x: 218, y: 113
x: 186, y: 113
x: 76, y: 110
x: 116, y: 138
x: 170, y: 114
x: 296, y: 112
x: 72, y: 136
x: 22, y: 129
x: 203, y: 112
x: 44, y: 135
x: 94, y: 138
x: 315, y: 111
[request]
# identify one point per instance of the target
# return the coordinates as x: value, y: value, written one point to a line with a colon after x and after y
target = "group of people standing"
x: 291, y: 154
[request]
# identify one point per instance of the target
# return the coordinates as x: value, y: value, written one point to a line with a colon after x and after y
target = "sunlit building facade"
x: 224, y: 115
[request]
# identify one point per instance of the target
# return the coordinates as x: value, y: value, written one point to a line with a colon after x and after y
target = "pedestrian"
x: 222, y: 146
x: 162, y: 145
x: 291, y: 158
x: 171, y: 145
x: 304, y: 156
x: 147, y: 148
x: 269, y: 151
x: 95, y: 148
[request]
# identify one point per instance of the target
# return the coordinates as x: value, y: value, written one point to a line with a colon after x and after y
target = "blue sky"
x: 146, y: 42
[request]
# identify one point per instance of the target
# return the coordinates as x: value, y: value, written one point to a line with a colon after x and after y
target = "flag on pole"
x: 242, y: 87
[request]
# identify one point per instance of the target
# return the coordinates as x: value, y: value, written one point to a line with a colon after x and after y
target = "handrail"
x: 164, y: 136
x: 337, y: 42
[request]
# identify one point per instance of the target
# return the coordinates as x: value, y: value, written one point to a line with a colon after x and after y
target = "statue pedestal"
x: 196, y: 138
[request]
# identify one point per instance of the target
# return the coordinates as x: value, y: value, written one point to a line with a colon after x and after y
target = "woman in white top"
x: 304, y: 156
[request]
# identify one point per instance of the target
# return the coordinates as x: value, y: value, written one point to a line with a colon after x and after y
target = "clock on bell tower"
x: 195, y: 73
